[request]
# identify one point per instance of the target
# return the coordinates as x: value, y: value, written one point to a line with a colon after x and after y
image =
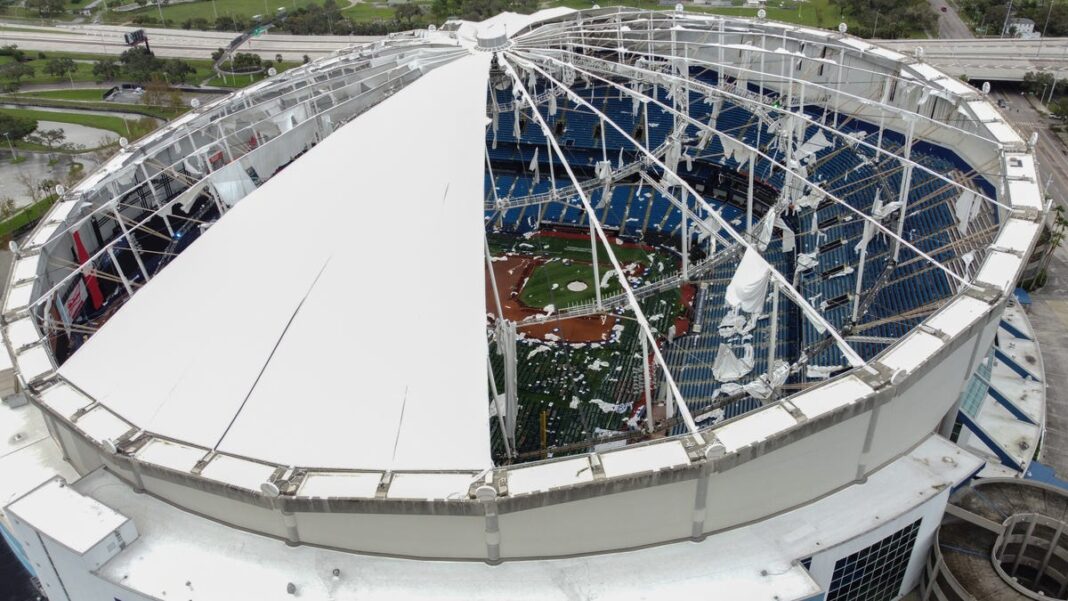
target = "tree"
x: 14, y: 72
x: 51, y: 138
x: 1059, y: 108
x: 46, y: 8
x: 246, y: 61
x: 106, y: 69
x: 156, y: 92
x: 408, y: 13
x: 139, y: 64
x: 16, y: 127
x: 60, y: 67
x: 13, y: 51
x: 177, y: 70
x: 8, y: 208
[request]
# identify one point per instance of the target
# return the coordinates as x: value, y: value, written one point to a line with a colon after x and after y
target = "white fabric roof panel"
x: 335, y: 317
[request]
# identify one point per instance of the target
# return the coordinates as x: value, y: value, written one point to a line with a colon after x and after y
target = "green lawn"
x: 161, y: 112
x: 576, y: 250
x: 548, y: 285
x: 85, y: 67
x: 123, y: 127
x: 180, y: 12
x: 93, y: 94
x: 20, y: 12
x: 814, y: 13
x: 366, y: 11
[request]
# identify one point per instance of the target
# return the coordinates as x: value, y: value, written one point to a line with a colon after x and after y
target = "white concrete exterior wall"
x: 822, y: 566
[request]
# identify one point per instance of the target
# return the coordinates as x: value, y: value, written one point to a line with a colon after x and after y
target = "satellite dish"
x: 123, y: 142
x: 270, y: 489
x: 842, y: 27
x: 195, y: 103
x: 110, y: 446
x: 715, y: 450
x: 431, y: 28
x: 898, y: 377
x: 919, y: 51
x: 13, y: 246
x: 60, y: 189
x: 596, y: 6
x: 986, y: 87
x: 485, y: 493
x: 272, y: 72
x: 762, y: 13
x: 679, y: 7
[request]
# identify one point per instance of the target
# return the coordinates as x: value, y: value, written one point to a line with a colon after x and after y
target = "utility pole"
x: 11, y: 146
x: 1008, y: 15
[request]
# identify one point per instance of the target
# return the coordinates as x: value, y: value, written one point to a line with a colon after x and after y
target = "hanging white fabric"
x: 821, y: 372
x: 886, y: 210
x: 869, y: 227
x: 787, y: 235
x: 966, y: 209
x: 813, y: 145
x: 806, y: 261
x: 732, y: 323
x: 767, y: 228
x: 810, y: 200
x: 728, y: 367
x: 535, y: 166
x: 749, y: 286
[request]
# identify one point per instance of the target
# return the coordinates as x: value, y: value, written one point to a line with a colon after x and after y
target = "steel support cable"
x: 876, y: 76
x: 696, y: 123
x: 214, y: 140
x: 620, y: 273
x: 847, y: 351
x: 810, y: 121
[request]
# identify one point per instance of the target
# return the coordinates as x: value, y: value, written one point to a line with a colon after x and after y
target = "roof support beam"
x: 639, y: 315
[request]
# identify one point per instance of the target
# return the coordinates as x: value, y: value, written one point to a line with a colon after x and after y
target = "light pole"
x: 7, y: 136
x: 159, y: 6
x: 1005, y: 25
x: 1042, y: 40
x: 214, y: 10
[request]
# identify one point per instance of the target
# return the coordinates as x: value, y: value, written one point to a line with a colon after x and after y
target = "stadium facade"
x: 714, y: 327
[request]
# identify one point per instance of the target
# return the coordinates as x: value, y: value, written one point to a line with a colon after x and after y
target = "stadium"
x: 548, y: 297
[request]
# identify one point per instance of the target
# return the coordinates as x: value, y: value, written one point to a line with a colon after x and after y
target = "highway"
x: 994, y: 59
x: 108, y: 39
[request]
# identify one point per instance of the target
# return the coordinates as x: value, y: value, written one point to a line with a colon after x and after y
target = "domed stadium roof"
x: 622, y: 241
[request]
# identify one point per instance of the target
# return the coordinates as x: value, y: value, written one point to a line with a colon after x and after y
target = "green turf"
x: 548, y: 282
x: 814, y: 13
x: 25, y: 217
x: 564, y: 382
x: 160, y: 112
x: 94, y: 94
x: 177, y: 13
x: 578, y: 250
x: 366, y: 11
x: 124, y: 127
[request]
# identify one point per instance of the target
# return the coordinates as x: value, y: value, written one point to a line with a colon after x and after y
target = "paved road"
x: 950, y: 25
x: 993, y: 59
x: 108, y: 39
x: 1049, y: 308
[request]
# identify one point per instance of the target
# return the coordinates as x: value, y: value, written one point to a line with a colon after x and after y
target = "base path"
x: 511, y: 271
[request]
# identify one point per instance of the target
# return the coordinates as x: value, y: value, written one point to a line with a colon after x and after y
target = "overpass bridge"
x: 990, y: 59
x: 981, y: 59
